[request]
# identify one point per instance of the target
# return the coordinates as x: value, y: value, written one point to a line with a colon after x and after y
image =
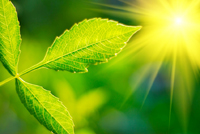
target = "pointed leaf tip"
x: 10, y: 38
x: 45, y: 107
x: 89, y: 42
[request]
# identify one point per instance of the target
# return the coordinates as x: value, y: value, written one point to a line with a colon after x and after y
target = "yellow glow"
x: 179, y: 21
x: 170, y: 34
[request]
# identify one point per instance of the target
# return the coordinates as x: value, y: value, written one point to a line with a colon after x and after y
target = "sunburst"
x: 171, y: 33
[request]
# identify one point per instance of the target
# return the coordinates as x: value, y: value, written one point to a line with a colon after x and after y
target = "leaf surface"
x: 10, y: 38
x: 46, y: 108
x: 89, y: 42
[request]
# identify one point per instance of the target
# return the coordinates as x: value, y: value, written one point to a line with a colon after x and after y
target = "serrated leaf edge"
x: 86, y: 70
x: 22, y: 81
x: 20, y: 39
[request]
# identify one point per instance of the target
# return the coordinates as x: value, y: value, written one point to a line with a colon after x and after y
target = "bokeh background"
x: 102, y: 101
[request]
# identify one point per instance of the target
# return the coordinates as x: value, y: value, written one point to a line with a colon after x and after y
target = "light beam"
x: 171, y: 29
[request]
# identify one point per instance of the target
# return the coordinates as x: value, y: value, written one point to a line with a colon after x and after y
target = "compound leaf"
x: 46, y: 108
x: 89, y: 42
x: 10, y: 38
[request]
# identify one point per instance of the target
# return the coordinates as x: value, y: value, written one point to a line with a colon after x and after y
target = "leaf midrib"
x: 10, y: 41
x: 44, y: 108
x: 81, y: 49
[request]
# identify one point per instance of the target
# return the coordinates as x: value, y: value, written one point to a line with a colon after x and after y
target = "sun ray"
x: 151, y: 83
x: 170, y: 34
x: 172, y: 82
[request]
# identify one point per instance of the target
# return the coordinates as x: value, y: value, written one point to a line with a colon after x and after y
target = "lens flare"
x: 170, y: 37
x: 178, y: 21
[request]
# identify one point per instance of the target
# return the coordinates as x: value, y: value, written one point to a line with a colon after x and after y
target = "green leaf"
x: 10, y: 38
x: 89, y: 42
x: 46, y: 108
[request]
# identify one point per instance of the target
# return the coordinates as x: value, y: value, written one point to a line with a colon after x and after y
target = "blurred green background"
x: 100, y: 101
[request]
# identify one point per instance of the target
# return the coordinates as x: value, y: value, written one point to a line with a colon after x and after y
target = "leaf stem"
x: 34, y: 67
x: 6, y: 80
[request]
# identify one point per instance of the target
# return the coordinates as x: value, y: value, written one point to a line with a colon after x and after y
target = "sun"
x: 178, y: 21
x: 170, y: 34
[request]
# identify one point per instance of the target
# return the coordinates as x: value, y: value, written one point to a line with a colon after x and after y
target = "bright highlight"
x: 170, y: 37
x: 178, y: 21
